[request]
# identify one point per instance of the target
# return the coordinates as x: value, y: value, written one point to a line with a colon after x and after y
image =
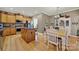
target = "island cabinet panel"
x: 28, y: 35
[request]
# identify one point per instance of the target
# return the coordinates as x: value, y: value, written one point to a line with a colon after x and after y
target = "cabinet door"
x: 13, y: 31
x: 9, y: 31
x: 11, y: 19
x: 24, y: 20
x: 28, y: 19
x: 6, y: 32
x: 19, y: 17
x: 3, y: 18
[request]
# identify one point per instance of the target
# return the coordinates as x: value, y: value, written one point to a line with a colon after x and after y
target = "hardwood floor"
x: 16, y: 43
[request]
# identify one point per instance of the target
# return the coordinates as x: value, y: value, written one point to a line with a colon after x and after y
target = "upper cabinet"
x: 26, y: 19
x: 11, y: 18
x: 3, y: 17
x: 7, y: 18
x: 29, y: 19
x: 19, y: 17
x: 23, y: 18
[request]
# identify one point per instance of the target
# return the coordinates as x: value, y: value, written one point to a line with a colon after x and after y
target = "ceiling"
x: 31, y: 11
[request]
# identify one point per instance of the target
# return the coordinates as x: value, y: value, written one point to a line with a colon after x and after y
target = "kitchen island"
x: 28, y: 34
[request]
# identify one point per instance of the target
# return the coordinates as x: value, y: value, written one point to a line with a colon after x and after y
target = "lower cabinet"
x: 28, y: 35
x: 13, y: 31
x: 6, y: 32
x: 9, y: 31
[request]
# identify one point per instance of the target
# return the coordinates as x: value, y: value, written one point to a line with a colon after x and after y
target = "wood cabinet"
x: 28, y: 35
x: 6, y: 32
x: 9, y: 31
x: 11, y: 18
x: 19, y: 17
x: 12, y: 31
x: 28, y: 18
x: 3, y: 17
x: 24, y: 19
x: 7, y: 18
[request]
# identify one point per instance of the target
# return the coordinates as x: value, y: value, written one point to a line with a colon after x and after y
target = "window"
x: 35, y: 22
x: 67, y: 23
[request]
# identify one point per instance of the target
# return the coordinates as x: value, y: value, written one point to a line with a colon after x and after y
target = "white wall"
x: 52, y: 21
x: 46, y: 20
x: 43, y: 20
